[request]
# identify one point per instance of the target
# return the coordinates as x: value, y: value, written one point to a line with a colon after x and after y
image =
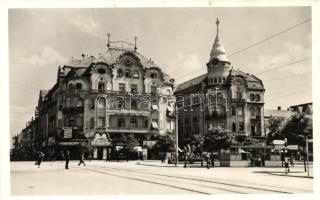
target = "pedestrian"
x: 286, y: 164
x: 263, y: 159
x: 208, y: 160
x: 212, y: 159
x: 39, y: 158
x: 67, y: 158
x: 185, y: 159
x: 291, y: 161
x: 81, y: 159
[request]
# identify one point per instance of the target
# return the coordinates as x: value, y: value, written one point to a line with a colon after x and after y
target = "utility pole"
x: 307, y: 149
x: 176, y: 132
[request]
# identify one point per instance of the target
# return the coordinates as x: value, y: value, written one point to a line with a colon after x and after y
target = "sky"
x: 179, y: 40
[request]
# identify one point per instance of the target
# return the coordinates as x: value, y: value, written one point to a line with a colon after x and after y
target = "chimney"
x: 279, y: 107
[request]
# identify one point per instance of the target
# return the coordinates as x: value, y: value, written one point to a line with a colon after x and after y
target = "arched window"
x: 119, y: 73
x: 135, y: 74
x: 133, y: 123
x: 134, y: 105
x: 91, y: 123
x: 146, y: 123
x: 168, y: 91
x: 71, y: 87
x: 127, y: 74
x: 215, y: 79
x: 153, y: 75
x: 78, y: 86
x: 121, y: 122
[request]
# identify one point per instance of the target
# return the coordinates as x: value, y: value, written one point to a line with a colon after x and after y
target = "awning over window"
x: 154, y: 107
x: 154, y: 124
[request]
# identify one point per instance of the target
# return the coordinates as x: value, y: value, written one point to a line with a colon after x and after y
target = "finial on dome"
x: 108, y: 44
x: 217, y: 23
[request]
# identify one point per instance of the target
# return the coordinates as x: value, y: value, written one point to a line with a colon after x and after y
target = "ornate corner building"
x: 100, y: 100
x: 223, y: 98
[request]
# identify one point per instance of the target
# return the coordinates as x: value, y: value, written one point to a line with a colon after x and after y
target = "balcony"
x: 75, y: 109
x: 129, y: 112
x: 129, y: 130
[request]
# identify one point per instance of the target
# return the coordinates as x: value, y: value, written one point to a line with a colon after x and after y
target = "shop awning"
x: 137, y: 149
x: 154, y: 124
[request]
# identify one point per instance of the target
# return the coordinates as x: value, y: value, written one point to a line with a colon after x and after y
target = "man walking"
x: 39, y: 158
x: 67, y: 157
x: 81, y: 159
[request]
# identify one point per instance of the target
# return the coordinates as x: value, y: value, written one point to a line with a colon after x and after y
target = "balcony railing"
x: 129, y: 130
x: 73, y: 109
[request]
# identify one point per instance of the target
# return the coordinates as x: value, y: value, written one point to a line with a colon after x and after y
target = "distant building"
x: 305, y: 108
x: 278, y: 113
x: 223, y: 98
x: 98, y: 100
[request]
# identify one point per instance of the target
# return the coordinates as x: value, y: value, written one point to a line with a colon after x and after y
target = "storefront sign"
x: 69, y: 143
x: 67, y: 132
x: 149, y: 144
x: 100, y: 140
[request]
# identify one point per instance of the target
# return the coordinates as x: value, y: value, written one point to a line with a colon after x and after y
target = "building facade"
x: 101, y: 100
x: 223, y: 98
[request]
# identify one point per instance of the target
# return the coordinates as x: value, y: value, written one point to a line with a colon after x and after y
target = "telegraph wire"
x: 270, y: 37
x: 286, y: 77
x: 252, y: 45
x: 290, y: 94
x: 286, y: 65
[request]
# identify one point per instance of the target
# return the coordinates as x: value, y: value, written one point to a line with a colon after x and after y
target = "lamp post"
x: 176, y: 133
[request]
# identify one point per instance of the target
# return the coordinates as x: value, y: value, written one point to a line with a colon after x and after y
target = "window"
x: 168, y: 91
x: 257, y: 97
x: 239, y: 95
x: 240, y: 111
x: 251, y: 97
x: 91, y: 123
x: 78, y: 86
x: 153, y: 75
x: 102, y: 122
x: 134, y: 105
x: 127, y: 74
x: 79, y: 121
x: 122, y: 87
x: 146, y: 123
x: 252, y: 111
x: 241, y: 126
x: 135, y: 74
x: 234, y: 127
x: 71, y: 122
x: 121, y: 122
x: 233, y: 111
x: 133, y: 123
x: 153, y: 90
x: 119, y: 73
x: 134, y: 89
x: 121, y: 104
x: 219, y: 79
x: 101, y: 71
x: 91, y: 103
x: 215, y: 79
x: 59, y: 123
x: 71, y: 86
x: 101, y: 86
x: 223, y: 79
x: 79, y: 103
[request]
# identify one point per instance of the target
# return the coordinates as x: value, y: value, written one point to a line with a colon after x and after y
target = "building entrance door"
x: 100, y: 153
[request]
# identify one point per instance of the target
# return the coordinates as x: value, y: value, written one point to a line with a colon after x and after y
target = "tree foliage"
x: 273, y: 126
x: 216, y: 140
x: 164, y: 143
x: 296, y: 128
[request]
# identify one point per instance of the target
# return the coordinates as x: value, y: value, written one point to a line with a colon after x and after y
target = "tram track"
x: 203, y: 186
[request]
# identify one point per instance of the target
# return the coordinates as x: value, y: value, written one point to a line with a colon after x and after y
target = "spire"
x: 218, y: 50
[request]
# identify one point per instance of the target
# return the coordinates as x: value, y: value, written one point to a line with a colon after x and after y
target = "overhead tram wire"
x: 287, y: 77
x: 289, y: 94
x: 253, y: 45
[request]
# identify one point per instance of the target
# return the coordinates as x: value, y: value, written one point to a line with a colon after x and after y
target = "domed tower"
x: 218, y: 66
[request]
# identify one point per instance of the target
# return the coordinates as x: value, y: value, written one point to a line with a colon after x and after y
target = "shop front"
x: 101, y: 146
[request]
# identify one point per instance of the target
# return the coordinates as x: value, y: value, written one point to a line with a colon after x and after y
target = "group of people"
x: 65, y: 156
x: 257, y: 160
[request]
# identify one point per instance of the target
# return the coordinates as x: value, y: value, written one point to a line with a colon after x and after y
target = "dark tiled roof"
x: 190, y: 83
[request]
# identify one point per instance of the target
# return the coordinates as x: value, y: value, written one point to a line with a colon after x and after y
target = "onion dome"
x: 218, y: 51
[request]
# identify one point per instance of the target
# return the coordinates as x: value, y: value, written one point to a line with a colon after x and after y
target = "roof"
x: 191, y: 82
x: 218, y: 51
x: 43, y: 93
x: 248, y: 77
x: 278, y: 113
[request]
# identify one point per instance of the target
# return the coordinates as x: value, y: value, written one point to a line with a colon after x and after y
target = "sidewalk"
x: 296, y: 171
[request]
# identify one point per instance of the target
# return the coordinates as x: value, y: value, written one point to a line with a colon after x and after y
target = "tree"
x: 296, y: 129
x: 164, y: 143
x: 197, y: 142
x: 216, y: 140
x: 273, y: 127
